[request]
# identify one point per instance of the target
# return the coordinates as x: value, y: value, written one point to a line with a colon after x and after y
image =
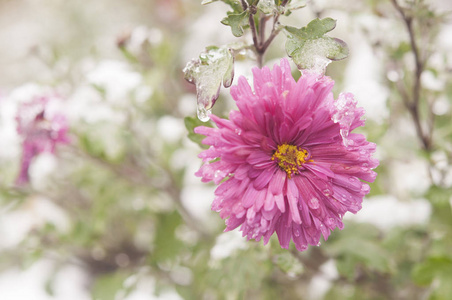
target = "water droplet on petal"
x: 318, y: 244
x: 352, y: 179
x: 217, y: 173
x: 314, y: 203
x: 365, y: 188
x: 327, y: 192
x: 296, y: 232
x: 330, y: 222
x: 238, y: 131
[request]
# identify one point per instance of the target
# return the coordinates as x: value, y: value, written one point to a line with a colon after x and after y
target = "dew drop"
x: 365, y: 188
x: 296, y: 232
x: 327, y: 192
x: 352, y: 179
x: 238, y: 131
x: 314, y: 203
x: 329, y: 222
x: 318, y: 244
x: 217, y: 174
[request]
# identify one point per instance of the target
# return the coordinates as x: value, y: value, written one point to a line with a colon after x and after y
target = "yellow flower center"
x: 290, y: 158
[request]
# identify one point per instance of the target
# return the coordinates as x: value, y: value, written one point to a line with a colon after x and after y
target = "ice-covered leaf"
x: 213, y: 67
x: 274, y: 6
x: 234, y: 4
x: 238, y: 22
x: 293, y: 5
x: 267, y: 6
x: 310, y: 48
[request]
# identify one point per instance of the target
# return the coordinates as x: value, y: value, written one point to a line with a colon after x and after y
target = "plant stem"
x: 260, y: 43
x: 244, y: 5
x: 413, y: 105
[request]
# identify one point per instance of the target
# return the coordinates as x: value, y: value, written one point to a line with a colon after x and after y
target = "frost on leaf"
x: 267, y: 6
x: 238, y: 22
x: 234, y: 4
x: 271, y: 6
x: 310, y: 48
x: 215, y: 66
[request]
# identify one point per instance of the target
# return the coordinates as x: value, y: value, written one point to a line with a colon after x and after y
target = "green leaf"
x: 242, y: 271
x: 190, y: 124
x: 358, y: 244
x: 166, y: 245
x: 310, y: 48
x: 438, y: 269
x: 234, y: 4
x: 288, y: 264
x: 267, y: 7
x: 237, y: 22
x: 105, y: 287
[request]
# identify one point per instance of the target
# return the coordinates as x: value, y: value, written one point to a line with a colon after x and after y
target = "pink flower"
x: 40, y: 132
x: 288, y: 161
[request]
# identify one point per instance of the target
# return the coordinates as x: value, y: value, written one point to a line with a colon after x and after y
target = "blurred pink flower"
x: 39, y: 131
x: 288, y: 161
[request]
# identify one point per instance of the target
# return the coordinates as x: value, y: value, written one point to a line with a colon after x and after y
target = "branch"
x: 244, y: 5
x: 260, y: 44
x: 413, y: 106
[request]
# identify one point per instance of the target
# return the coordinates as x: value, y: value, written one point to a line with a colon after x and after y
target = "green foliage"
x: 234, y: 4
x: 191, y: 123
x: 288, y: 264
x: 358, y: 246
x: 241, y: 273
x: 107, y: 286
x: 238, y: 22
x: 167, y: 246
x: 309, y: 44
x: 438, y: 269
